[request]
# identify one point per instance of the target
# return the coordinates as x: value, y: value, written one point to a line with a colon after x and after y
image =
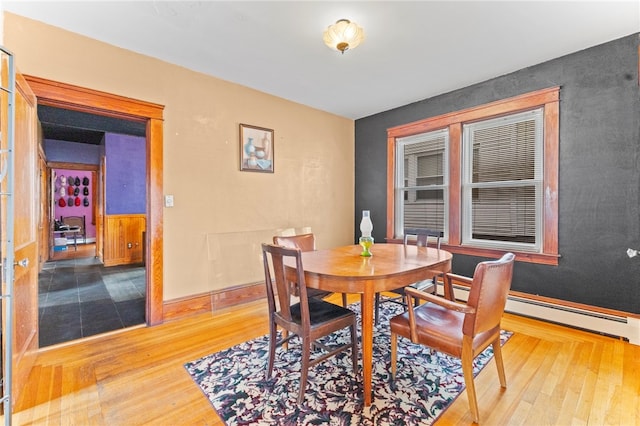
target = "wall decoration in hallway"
x: 74, y: 197
x: 256, y: 149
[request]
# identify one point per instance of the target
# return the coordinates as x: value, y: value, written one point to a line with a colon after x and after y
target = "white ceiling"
x: 412, y: 51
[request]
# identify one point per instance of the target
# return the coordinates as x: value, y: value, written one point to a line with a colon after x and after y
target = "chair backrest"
x: 304, y: 242
x: 74, y: 221
x: 422, y: 236
x: 279, y: 285
x: 488, y: 294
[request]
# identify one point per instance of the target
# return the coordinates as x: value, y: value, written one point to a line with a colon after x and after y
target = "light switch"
x: 168, y: 200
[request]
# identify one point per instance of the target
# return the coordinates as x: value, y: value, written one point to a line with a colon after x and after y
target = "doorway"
x: 79, y: 296
x: 108, y: 107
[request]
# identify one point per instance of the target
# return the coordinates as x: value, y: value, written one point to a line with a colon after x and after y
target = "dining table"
x: 344, y: 270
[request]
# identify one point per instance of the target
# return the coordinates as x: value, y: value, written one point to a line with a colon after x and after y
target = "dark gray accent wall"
x: 599, y: 176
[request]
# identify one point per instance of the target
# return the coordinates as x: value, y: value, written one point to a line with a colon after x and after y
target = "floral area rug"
x: 426, y: 383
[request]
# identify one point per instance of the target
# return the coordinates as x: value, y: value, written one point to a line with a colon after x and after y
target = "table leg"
x: 367, y: 343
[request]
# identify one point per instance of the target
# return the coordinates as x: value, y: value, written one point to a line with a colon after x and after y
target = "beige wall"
x: 215, y: 203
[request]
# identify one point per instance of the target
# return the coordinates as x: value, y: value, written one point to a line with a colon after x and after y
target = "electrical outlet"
x: 168, y: 200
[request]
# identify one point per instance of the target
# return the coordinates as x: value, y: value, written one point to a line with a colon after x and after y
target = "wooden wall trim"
x: 119, y: 216
x: 212, y: 301
x: 548, y: 98
x: 67, y: 96
x: 455, y: 185
x: 491, y: 109
x: 391, y: 179
x: 155, y: 222
x: 72, y: 166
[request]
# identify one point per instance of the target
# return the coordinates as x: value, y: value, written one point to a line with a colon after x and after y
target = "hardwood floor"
x: 555, y: 376
x: 83, y: 250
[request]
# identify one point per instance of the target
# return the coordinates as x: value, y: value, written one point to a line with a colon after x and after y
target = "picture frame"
x: 256, y: 149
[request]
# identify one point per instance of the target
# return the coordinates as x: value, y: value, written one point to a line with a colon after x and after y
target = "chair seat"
x: 320, y: 312
x: 439, y: 328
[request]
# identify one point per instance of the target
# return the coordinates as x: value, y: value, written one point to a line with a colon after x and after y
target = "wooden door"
x: 26, y: 222
x: 45, y: 224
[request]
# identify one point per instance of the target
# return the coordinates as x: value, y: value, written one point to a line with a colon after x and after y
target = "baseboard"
x: 212, y: 301
x: 599, y: 320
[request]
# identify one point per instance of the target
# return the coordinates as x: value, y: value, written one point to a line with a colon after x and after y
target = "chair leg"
x: 394, y: 356
x: 273, y: 335
x: 344, y: 300
x: 354, y: 348
x: 467, y: 371
x: 497, y: 355
x: 306, y: 355
x: 377, y: 308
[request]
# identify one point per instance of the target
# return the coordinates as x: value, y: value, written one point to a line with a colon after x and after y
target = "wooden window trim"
x: 548, y: 98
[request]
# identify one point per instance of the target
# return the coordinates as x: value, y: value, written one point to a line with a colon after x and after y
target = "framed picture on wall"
x: 256, y: 149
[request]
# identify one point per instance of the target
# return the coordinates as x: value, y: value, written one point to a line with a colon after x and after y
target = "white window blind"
x: 502, y: 181
x: 421, y: 186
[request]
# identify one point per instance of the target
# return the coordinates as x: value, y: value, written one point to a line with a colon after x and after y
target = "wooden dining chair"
x: 305, y: 242
x: 309, y: 318
x: 422, y: 238
x: 462, y: 330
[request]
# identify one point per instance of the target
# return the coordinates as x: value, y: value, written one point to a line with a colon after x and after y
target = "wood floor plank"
x: 526, y: 357
x: 631, y: 397
x: 589, y: 385
x: 555, y: 375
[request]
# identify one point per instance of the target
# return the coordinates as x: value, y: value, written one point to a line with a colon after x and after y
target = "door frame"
x: 76, y: 98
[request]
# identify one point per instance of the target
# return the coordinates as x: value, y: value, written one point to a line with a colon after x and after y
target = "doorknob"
x: 24, y: 263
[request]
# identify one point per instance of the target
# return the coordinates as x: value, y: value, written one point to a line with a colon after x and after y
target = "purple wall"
x: 126, y: 174
x: 73, y: 210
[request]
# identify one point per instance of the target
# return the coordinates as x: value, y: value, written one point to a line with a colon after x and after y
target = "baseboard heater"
x: 622, y: 326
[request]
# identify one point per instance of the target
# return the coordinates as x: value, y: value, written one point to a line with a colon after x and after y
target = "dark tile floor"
x: 80, y: 298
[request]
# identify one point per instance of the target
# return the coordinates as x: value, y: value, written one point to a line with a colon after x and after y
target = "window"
x: 487, y: 177
x: 502, y: 182
x: 421, y: 182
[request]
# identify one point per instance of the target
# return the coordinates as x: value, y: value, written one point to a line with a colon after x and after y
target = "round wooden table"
x: 343, y: 270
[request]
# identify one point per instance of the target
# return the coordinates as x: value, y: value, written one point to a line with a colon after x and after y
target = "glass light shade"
x: 366, y: 240
x: 366, y: 226
x: 343, y: 35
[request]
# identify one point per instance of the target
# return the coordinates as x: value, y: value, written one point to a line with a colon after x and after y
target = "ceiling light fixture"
x: 343, y: 35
